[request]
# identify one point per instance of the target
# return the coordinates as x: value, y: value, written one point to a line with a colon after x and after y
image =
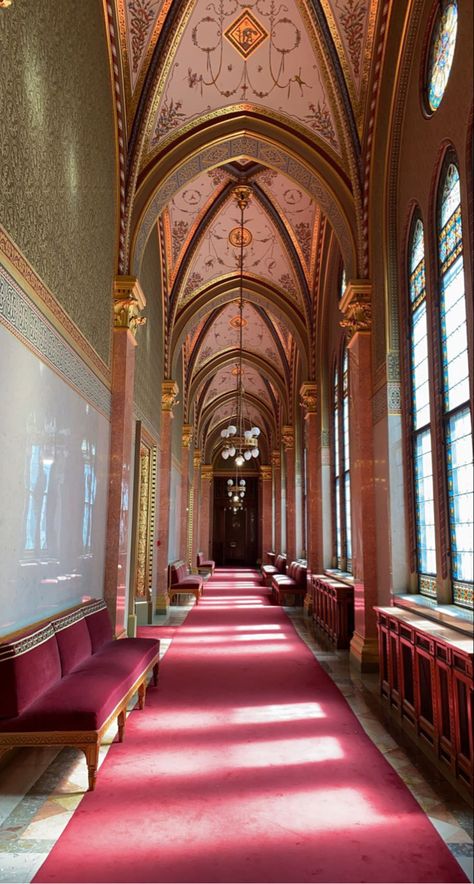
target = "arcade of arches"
x: 135, y: 326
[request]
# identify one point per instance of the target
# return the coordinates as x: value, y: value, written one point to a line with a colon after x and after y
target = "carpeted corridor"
x: 247, y: 765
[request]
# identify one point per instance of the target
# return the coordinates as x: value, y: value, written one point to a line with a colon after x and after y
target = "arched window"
x: 341, y: 466
x: 342, y: 282
x: 441, y: 53
x: 420, y: 416
x: 457, y: 419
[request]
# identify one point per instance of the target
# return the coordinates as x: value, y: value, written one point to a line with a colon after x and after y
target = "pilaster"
x: 265, y: 480
x: 356, y: 306
x: 129, y: 300
x: 196, y: 506
x: 207, y: 476
x: 276, y: 465
x: 186, y: 440
x: 169, y: 392
x: 312, y: 419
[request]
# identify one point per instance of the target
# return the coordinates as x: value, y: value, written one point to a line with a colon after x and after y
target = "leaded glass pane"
x: 348, y: 520
x: 424, y: 503
x: 442, y: 53
x: 460, y: 490
x: 342, y: 287
x: 419, y: 369
x: 338, y: 521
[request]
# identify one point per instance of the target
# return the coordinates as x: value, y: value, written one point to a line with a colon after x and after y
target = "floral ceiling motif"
x: 266, y: 256
x: 227, y: 411
x: 260, y: 54
x: 224, y: 335
x: 225, y: 381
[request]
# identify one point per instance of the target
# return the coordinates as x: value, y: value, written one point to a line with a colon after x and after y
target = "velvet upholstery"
x: 98, y: 623
x: 73, y: 640
x: 29, y: 666
x: 205, y: 563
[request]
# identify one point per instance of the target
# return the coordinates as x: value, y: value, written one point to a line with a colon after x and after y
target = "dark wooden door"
x: 235, y: 534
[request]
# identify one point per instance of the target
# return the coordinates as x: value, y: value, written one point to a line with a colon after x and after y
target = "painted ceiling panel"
x: 187, y: 207
x: 232, y: 55
x: 224, y: 335
x: 140, y: 23
x: 297, y: 207
x: 265, y: 257
x: 225, y: 381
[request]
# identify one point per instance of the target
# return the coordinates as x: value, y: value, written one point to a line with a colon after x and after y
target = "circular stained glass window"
x: 443, y: 41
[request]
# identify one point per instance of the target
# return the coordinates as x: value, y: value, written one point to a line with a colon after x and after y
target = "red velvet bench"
x: 64, y: 682
x: 181, y: 582
x: 267, y: 571
x: 205, y: 564
x: 292, y: 584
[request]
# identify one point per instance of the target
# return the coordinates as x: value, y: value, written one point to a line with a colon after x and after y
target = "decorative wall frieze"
x: 207, y: 472
x: 23, y: 319
x: 129, y: 301
x: 276, y: 460
x: 265, y: 472
x: 288, y: 437
x: 169, y: 395
x: 309, y: 397
x: 356, y: 306
x: 187, y: 435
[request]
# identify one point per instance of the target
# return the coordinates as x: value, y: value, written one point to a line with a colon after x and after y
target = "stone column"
x: 196, y: 506
x: 314, y: 546
x: 207, y: 475
x: 288, y: 436
x: 169, y: 392
x: 129, y: 300
x: 186, y: 440
x: 357, y: 309
x: 266, y: 508
x: 276, y: 464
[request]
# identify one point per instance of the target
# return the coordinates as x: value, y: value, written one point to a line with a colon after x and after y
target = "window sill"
x: 343, y: 576
x: 456, y: 618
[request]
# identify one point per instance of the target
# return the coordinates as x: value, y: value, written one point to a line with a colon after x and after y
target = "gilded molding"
x: 356, y: 306
x: 129, y: 300
x: 187, y: 435
x: 207, y: 472
x: 169, y: 394
x: 197, y: 457
x: 288, y: 437
x: 276, y: 460
x: 265, y: 472
x: 309, y: 397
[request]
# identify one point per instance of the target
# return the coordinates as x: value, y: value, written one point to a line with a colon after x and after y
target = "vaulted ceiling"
x: 274, y: 95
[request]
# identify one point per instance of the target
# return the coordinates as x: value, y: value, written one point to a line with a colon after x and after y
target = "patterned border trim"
x: 386, y: 401
x: 16, y: 648
x: 93, y: 608
x: 26, y: 322
x: 115, y: 53
x: 68, y: 620
x: 463, y: 594
x: 220, y: 153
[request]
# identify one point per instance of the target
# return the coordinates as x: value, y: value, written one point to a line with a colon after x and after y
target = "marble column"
x: 314, y: 512
x: 169, y: 392
x: 276, y: 465
x: 265, y: 479
x: 288, y: 436
x: 357, y: 309
x: 128, y: 301
x: 186, y: 440
x: 205, y: 541
x: 196, y: 506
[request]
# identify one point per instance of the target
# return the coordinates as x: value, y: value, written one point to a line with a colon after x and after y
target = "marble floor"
x: 41, y: 788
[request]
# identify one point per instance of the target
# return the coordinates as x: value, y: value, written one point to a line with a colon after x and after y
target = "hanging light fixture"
x: 241, y: 444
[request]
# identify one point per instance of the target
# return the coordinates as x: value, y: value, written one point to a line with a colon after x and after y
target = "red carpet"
x: 247, y: 765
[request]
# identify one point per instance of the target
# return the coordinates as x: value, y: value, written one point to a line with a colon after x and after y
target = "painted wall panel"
x: 53, y: 480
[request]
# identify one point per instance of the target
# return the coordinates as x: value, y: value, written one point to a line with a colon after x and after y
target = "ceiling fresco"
x: 268, y: 94
x: 265, y: 257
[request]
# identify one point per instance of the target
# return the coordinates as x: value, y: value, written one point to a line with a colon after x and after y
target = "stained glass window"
x: 341, y: 466
x: 346, y: 459
x: 441, y: 54
x: 420, y: 414
x: 343, y: 283
x: 457, y: 412
x: 337, y: 470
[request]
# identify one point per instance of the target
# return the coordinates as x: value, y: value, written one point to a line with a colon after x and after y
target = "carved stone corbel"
x: 356, y: 305
x: 207, y: 472
x: 309, y: 397
x: 288, y: 437
x: 265, y: 472
x: 129, y: 301
x: 197, y: 459
x: 187, y: 435
x: 276, y: 459
x: 169, y: 394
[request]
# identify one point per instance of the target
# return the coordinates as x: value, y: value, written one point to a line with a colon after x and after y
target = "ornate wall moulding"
x: 197, y: 458
x: 288, y: 437
x: 187, y: 435
x: 129, y: 301
x: 266, y: 472
x: 356, y: 306
x: 309, y: 397
x: 169, y: 395
x: 276, y: 460
x: 207, y: 472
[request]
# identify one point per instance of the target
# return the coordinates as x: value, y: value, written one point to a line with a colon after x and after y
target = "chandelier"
x: 236, y: 492
x: 239, y: 442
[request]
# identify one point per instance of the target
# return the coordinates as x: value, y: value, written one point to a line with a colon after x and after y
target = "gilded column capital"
x: 207, y: 472
x: 356, y: 305
x: 128, y: 302
x: 265, y: 472
x: 288, y: 437
x: 187, y: 435
x: 197, y: 458
x: 169, y: 393
x: 309, y: 397
x: 276, y: 459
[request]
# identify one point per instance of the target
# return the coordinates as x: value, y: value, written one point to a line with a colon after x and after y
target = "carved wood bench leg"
x: 141, y: 694
x: 156, y: 669
x: 91, y: 751
x: 121, y: 724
